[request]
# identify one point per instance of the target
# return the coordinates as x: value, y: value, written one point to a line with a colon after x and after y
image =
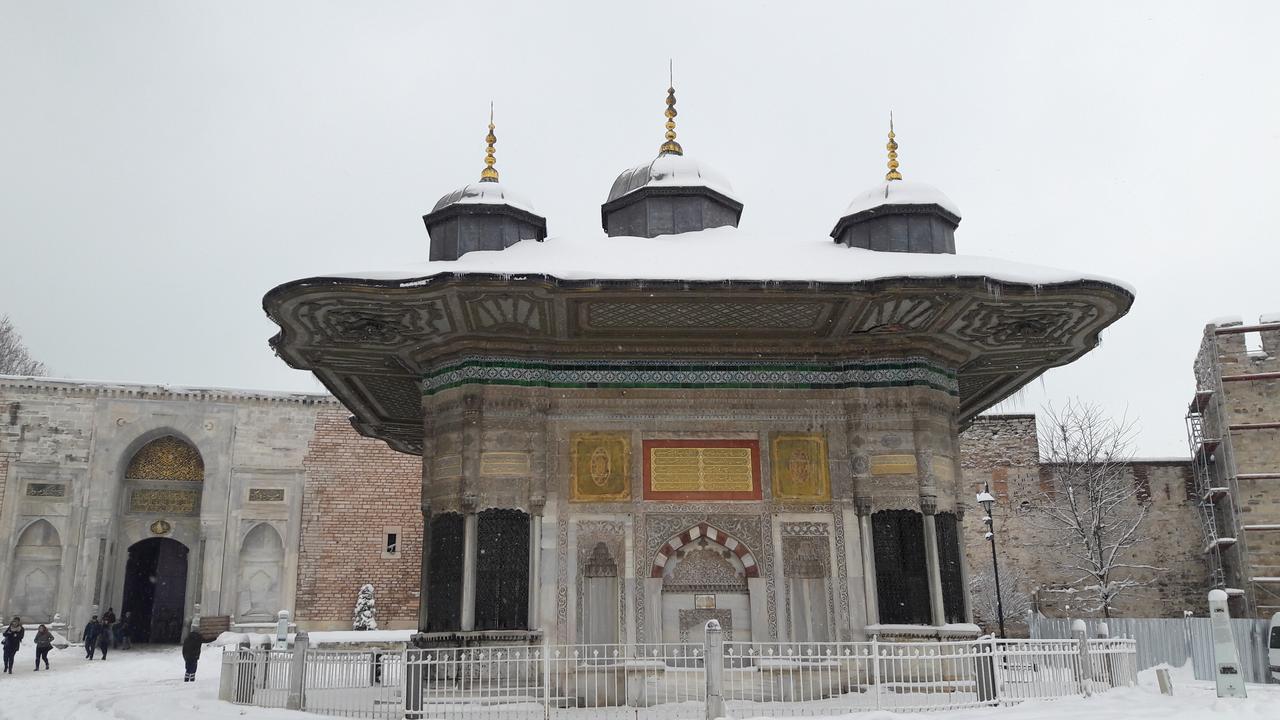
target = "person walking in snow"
x: 13, y: 634
x: 122, y: 633
x: 104, y: 639
x: 44, y: 643
x: 91, y: 630
x: 191, y: 654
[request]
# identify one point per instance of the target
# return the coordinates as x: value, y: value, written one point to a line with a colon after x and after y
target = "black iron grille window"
x: 902, y: 582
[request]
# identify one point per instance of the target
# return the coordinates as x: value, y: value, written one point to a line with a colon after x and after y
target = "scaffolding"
x: 1208, y: 491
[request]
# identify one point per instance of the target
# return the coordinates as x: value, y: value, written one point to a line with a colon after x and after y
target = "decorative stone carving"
x: 692, y: 622
x: 166, y: 458
x: 806, y: 556
x: 505, y: 464
x: 899, y: 314
x: 774, y: 315
x: 706, y: 564
x: 805, y: 529
x: 996, y: 325
x: 374, y: 323
x: 46, y: 490
x: 509, y: 312
x: 266, y: 494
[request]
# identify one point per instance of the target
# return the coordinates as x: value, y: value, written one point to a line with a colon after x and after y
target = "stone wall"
x: 1002, y: 450
x: 356, y: 490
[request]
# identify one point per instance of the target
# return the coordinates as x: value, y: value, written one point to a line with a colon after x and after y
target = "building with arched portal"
x: 626, y: 434
x: 150, y: 501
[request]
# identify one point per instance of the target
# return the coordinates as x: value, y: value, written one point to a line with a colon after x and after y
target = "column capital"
x: 469, y: 502
x: 929, y: 504
x: 537, y: 503
x: 862, y: 505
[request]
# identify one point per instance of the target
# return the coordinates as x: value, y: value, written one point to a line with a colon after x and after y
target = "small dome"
x: 484, y: 193
x: 901, y: 192
x: 670, y: 170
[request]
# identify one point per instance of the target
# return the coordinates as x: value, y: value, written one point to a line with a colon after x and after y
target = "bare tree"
x: 982, y: 594
x: 14, y: 358
x: 1091, y: 509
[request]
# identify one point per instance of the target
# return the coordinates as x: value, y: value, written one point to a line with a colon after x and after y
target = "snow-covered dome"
x: 484, y: 193
x: 670, y: 170
x: 901, y: 192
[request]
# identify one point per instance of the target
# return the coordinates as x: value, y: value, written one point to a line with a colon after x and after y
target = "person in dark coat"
x: 191, y: 654
x: 13, y: 634
x: 104, y: 639
x: 44, y: 643
x: 91, y: 630
x: 122, y: 632
x: 110, y: 617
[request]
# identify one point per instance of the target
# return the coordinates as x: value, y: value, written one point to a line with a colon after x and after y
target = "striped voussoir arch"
x: 713, y: 534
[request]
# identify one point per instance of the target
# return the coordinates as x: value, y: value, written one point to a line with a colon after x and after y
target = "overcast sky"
x: 164, y: 164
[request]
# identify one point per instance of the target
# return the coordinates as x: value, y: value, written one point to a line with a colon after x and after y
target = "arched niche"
x: 261, y: 571
x: 705, y: 576
x: 37, y: 559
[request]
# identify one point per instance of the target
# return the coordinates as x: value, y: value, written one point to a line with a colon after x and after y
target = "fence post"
x: 1079, y: 632
x: 297, y: 671
x: 412, y: 677
x: 282, y: 631
x: 875, y: 668
x: 713, y: 668
x: 985, y: 666
x: 1108, y: 657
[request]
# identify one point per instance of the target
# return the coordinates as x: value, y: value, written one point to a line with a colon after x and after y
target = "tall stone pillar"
x: 929, y: 506
x: 424, y: 585
x: 964, y: 565
x: 537, y: 504
x: 871, y: 597
x: 468, y: 614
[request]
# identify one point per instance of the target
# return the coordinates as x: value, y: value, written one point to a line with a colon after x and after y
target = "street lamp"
x: 988, y: 502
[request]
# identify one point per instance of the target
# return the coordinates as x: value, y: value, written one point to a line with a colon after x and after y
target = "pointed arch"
x: 261, y: 573
x: 37, y: 559
x: 167, y: 457
x: 711, y: 533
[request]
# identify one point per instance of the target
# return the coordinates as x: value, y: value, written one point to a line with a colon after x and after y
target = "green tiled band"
x: 911, y: 371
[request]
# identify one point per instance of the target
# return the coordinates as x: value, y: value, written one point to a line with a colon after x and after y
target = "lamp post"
x: 988, y: 501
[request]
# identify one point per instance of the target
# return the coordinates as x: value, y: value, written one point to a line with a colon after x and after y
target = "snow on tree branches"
x: 366, y: 615
x: 14, y: 358
x: 982, y: 594
x: 1091, y: 509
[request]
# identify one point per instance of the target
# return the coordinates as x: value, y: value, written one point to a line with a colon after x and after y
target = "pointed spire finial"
x: 671, y: 147
x: 892, y: 147
x: 490, y: 173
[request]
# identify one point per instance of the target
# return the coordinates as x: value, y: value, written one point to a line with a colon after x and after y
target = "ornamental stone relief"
x: 505, y: 312
x: 348, y: 322
x: 46, y: 490
x: 166, y: 458
x: 806, y: 556
x: 394, y: 397
x: 777, y: 315
x: 995, y: 325
x: 899, y: 315
x: 704, y: 563
x: 692, y: 622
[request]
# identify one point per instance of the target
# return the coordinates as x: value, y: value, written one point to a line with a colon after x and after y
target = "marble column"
x: 929, y: 506
x: 865, y: 542
x: 468, y: 613
x: 425, y: 577
x: 537, y: 504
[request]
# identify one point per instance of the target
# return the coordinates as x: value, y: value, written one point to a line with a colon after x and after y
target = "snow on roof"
x: 1227, y: 320
x: 670, y: 171
x: 484, y: 193
x: 901, y: 192
x: 139, y: 388
x: 717, y: 254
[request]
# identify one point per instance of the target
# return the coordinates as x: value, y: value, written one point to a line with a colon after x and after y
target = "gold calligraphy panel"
x: 504, y: 464
x: 601, y: 465
x: 702, y: 469
x: 164, y: 500
x: 800, y: 468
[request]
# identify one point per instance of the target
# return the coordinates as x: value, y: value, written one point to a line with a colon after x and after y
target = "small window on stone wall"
x: 391, y: 542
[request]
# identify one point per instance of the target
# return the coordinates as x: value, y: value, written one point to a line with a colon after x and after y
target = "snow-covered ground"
x: 145, y: 684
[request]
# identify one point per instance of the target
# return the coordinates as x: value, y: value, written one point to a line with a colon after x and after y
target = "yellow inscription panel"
x: 800, y: 468
x: 700, y: 469
x: 601, y: 465
x: 893, y: 464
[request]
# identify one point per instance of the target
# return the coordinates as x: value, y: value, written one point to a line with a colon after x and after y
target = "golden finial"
x: 490, y: 173
x: 892, y: 147
x: 671, y: 147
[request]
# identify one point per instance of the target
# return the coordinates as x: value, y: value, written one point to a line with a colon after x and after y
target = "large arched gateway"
x: 155, y: 589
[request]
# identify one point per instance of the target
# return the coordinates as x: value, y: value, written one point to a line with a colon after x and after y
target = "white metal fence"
x: 675, y: 682
x: 1174, y: 641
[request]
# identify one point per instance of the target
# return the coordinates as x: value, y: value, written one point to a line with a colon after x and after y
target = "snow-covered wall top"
x: 724, y: 253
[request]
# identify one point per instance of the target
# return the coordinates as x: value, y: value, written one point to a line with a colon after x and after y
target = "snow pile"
x: 720, y: 254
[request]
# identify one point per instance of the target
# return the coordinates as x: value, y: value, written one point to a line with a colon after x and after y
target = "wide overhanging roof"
x: 371, y: 337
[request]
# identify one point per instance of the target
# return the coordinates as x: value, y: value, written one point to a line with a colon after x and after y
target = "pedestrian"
x: 126, y: 629
x: 191, y: 654
x: 44, y: 643
x: 104, y: 639
x: 109, y: 618
x: 91, y: 637
x: 13, y: 634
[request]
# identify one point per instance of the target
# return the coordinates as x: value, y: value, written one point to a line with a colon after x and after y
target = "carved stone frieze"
x: 509, y: 312
x: 995, y: 325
